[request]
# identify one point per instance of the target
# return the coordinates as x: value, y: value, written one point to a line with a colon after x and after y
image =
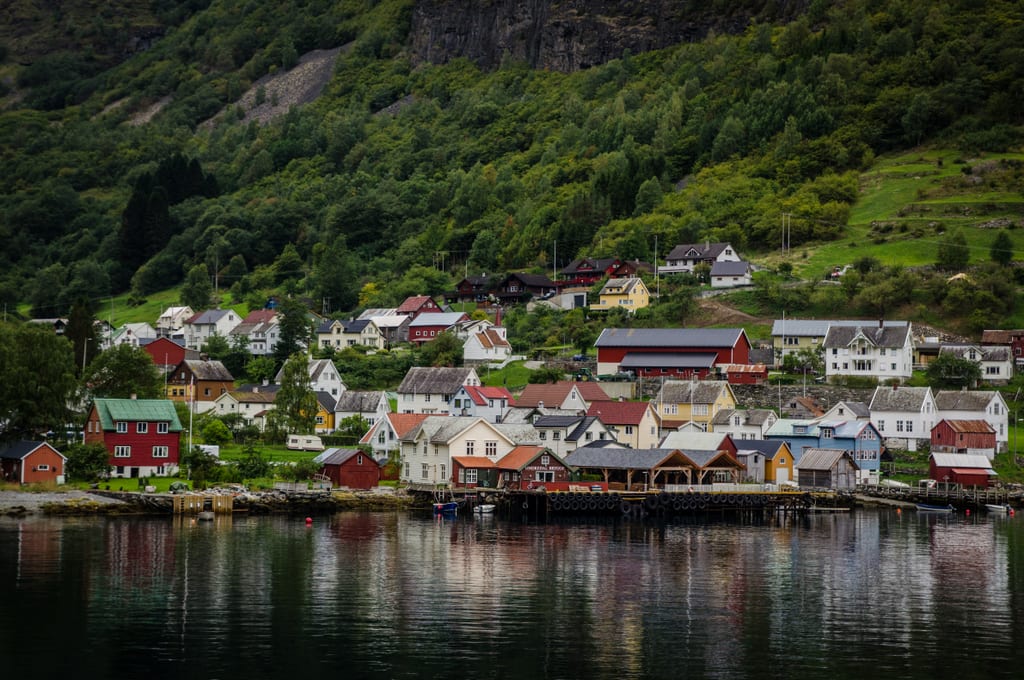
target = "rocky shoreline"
x: 101, y: 502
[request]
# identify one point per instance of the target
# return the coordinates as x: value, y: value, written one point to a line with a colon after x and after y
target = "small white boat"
x: 997, y: 509
x: 484, y: 509
x: 927, y: 507
x: 205, y: 516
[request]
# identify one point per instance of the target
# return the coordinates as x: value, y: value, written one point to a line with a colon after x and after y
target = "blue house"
x: 858, y: 437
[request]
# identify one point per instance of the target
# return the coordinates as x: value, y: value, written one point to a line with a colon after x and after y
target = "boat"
x: 484, y: 509
x: 205, y: 516
x: 446, y: 508
x: 998, y: 509
x: 927, y: 507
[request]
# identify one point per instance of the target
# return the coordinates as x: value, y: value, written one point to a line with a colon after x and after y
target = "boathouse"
x: 27, y: 462
x: 826, y: 469
x: 351, y: 468
x: 960, y: 468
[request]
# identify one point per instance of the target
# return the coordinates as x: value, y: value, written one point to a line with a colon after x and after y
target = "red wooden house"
x: 142, y: 435
x: 351, y: 468
x: 199, y: 382
x: 586, y: 271
x: 960, y: 468
x: 470, y: 472
x: 472, y: 289
x: 416, y: 305
x: 167, y: 353
x: 26, y: 462
x: 1014, y: 338
x: 964, y: 436
x: 426, y: 327
x: 529, y: 467
x: 745, y: 374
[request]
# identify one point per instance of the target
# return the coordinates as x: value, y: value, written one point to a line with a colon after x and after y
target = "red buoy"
x: 309, y: 520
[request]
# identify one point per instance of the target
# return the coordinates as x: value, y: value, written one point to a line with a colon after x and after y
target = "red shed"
x: 960, y: 468
x: 964, y: 436
x: 745, y: 374
x: 28, y: 462
x: 351, y: 468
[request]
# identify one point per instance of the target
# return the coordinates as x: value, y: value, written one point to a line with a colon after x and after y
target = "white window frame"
x: 122, y: 451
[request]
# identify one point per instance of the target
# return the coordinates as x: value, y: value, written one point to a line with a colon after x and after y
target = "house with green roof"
x: 141, y: 435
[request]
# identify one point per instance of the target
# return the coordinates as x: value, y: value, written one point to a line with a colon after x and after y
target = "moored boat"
x: 998, y: 509
x: 449, y: 508
x: 484, y: 508
x: 927, y: 507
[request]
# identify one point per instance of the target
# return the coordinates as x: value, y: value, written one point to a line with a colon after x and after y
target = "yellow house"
x: 681, y: 402
x: 767, y: 460
x: 630, y: 294
x: 324, y: 413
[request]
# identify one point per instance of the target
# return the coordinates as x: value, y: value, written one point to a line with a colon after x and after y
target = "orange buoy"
x: 899, y: 511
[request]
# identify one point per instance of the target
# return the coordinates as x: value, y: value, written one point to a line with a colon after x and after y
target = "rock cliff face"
x: 568, y: 35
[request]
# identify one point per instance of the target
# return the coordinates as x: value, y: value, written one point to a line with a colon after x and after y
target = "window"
x: 670, y: 409
x: 629, y: 429
x: 472, y: 475
x: 319, y: 420
x: 470, y: 445
x: 407, y: 470
x: 122, y: 427
x: 42, y: 468
x: 122, y: 452
x: 881, y: 426
x: 490, y: 449
x: 142, y: 428
x: 700, y: 409
x: 545, y: 460
x: 589, y: 436
x: 736, y: 420
x: 426, y: 397
x: 424, y: 471
x: 437, y: 450
x: 380, y: 437
x: 991, y: 370
x: 543, y: 476
x: 556, y: 435
x: 910, y: 426
x: 160, y: 452
x: 899, y: 426
x: 359, y: 459
x: 543, y: 435
x: 442, y: 471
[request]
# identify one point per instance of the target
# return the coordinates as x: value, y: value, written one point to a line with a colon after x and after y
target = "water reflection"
x: 393, y: 595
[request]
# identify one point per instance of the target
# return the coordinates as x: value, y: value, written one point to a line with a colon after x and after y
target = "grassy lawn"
x: 514, y: 376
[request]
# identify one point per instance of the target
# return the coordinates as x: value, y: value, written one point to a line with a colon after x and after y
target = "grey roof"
x: 557, y: 421
x: 702, y: 457
x: 440, y: 428
x: 19, y: 450
x: 434, y: 380
x: 987, y: 352
x: 617, y: 458
x: 667, y: 360
x: 437, y: 319
x: 525, y: 414
x: 683, y: 439
x: 318, y: 366
x: 962, y: 460
x: 752, y: 416
x: 819, y: 327
x: 209, y: 369
x: 358, y: 402
x: 858, y: 409
x: 626, y: 285
x: 696, y: 392
x: 355, y: 325
x: 821, y: 459
x: 669, y: 337
x: 729, y: 268
x: 687, y: 251
x: 964, y: 400
x: 270, y: 388
x: 519, y: 433
x: 582, y: 428
x: 767, y: 447
x: 325, y: 400
x: 886, y: 336
x: 899, y: 398
x: 338, y: 456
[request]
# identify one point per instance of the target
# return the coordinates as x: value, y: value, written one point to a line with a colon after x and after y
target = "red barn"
x: 27, y: 462
x: 960, y: 468
x: 964, y: 436
x: 665, y: 351
x: 167, y: 354
x: 142, y: 435
x: 351, y: 468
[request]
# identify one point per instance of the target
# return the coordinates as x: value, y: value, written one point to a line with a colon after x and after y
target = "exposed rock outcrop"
x: 569, y: 35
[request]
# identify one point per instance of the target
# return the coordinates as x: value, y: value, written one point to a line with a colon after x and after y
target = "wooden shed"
x: 351, y: 468
x: 975, y: 437
x: 27, y: 462
x: 961, y: 468
x: 827, y: 469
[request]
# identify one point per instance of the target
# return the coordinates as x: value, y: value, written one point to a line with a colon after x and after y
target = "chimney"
x: 881, y: 324
x: 133, y: 396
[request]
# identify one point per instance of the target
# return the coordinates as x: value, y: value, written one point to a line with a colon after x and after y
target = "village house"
x: 384, y: 435
x: 172, y: 320
x: 167, y: 353
x: 349, y: 468
x: 431, y: 389
x: 199, y: 383
x: 904, y: 416
x: 826, y: 469
x: 133, y: 334
x: 473, y: 289
x: 336, y: 334
x: 987, y: 405
x: 743, y: 424
x: 426, y: 327
x: 255, y: 330
x: 570, y: 396
x: 565, y: 433
x: 27, y: 462
x: 789, y: 336
x: 416, y: 305
x: 531, y: 467
x: 628, y: 294
x: 975, y: 437
x: 679, y: 402
x: 587, y: 271
x: 848, y: 410
x: 323, y: 421
x: 744, y: 374
x: 141, y: 435
x: 371, y: 406
x: 1014, y: 339
x: 802, y: 408
x: 490, y: 403
x: 880, y: 351
x: 427, y: 450
x: 486, y: 346
x: 766, y: 460
x: 684, y: 257
x: 323, y: 377
x: 519, y: 287
x: 246, y: 403
x: 633, y: 423
x: 729, y: 274
x: 204, y: 325
x: 994, y: 361
x: 857, y: 437
x: 675, y: 352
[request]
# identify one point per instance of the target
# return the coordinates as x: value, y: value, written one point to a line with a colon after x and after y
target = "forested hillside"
x: 132, y: 173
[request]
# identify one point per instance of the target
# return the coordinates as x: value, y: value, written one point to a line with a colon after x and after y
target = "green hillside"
x: 401, y: 177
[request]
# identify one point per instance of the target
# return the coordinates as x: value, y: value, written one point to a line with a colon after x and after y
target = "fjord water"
x: 861, y: 595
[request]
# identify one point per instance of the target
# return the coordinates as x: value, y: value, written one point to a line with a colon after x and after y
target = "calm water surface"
x: 864, y: 595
